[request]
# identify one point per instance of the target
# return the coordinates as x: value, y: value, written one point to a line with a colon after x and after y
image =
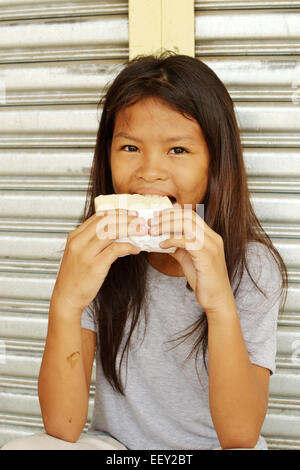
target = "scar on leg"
x: 73, y: 358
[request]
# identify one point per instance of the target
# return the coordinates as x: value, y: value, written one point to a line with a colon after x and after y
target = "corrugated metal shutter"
x: 55, y: 58
x: 254, y: 47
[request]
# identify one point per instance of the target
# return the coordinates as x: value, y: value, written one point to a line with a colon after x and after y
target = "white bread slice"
x: 132, y: 202
x: 145, y: 205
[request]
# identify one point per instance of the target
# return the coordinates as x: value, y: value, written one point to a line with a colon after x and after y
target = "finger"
x: 187, y: 212
x: 119, y: 227
x: 169, y: 214
x: 164, y: 211
x: 103, y: 238
x: 111, y: 216
x: 114, y: 251
x: 191, y: 245
x: 98, y: 214
x: 175, y: 223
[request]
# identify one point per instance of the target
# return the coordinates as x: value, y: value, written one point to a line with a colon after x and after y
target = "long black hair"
x: 192, y: 88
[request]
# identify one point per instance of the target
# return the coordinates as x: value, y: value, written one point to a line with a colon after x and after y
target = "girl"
x: 167, y: 127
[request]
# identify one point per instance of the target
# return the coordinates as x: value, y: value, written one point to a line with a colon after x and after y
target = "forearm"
x: 237, y: 401
x: 62, y: 386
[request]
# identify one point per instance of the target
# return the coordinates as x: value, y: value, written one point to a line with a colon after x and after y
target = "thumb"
x: 178, y: 254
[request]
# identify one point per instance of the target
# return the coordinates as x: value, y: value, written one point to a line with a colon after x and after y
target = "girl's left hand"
x: 200, y: 252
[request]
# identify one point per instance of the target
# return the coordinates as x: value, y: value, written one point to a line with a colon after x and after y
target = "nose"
x: 152, y: 166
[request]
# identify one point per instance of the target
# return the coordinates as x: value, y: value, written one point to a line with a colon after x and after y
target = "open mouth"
x: 172, y: 199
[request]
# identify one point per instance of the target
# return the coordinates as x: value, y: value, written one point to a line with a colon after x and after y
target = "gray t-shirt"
x: 166, y: 407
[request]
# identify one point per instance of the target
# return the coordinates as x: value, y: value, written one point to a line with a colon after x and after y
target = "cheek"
x: 188, y: 180
x: 202, y: 173
x: 116, y: 168
x: 115, y: 174
x: 120, y: 176
x: 112, y: 162
x: 193, y: 183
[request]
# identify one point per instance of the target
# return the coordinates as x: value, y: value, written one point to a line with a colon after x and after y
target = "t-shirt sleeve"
x: 88, y: 320
x: 258, y: 314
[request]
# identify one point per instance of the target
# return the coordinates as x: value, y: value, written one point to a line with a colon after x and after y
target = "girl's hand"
x: 89, y: 253
x: 200, y: 252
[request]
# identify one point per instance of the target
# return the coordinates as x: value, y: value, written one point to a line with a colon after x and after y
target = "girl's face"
x: 160, y: 150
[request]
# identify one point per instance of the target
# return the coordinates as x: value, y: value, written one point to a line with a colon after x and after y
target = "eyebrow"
x: 169, y: 139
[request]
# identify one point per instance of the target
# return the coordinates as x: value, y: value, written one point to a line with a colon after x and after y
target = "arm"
x: 238, y: 390
x: 66, y: 367
x: 65, y: 373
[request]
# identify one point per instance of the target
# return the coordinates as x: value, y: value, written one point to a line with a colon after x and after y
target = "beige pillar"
x: 157, y: 25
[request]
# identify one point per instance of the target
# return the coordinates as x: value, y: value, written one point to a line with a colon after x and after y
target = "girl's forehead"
x: 148, y: 105
x: 154, y: 112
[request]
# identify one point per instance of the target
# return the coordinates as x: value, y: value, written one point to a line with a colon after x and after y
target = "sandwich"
x: 145, y: 205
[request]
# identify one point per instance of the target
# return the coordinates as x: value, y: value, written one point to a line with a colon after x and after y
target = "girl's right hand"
x: 89, y: 254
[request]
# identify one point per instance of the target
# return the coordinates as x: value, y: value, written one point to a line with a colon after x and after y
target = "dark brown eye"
x: 181, y: 148
x: 132, y: 146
